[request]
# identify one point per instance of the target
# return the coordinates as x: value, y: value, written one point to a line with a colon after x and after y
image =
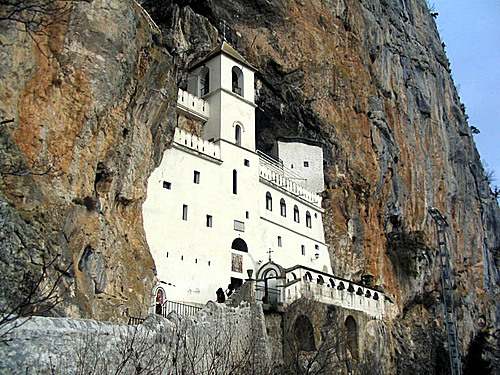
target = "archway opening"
x: 352, y: 336
x: 237, y: 81
x: 240, y: 245
x: 304, y: 334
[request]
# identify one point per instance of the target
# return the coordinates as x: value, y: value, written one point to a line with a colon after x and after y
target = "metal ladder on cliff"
x: 447, y: 289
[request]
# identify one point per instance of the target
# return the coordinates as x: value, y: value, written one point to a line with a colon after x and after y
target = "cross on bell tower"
x: 223, y: 25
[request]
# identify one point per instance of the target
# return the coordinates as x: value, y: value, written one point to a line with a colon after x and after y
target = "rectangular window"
x: 306, y: 164
x: 209, y: 221
x: 247, y: 215
x: 316, y: 247
x: 184, y: 212
x: 279, y: 241
x: 167, y: 185
x: 246, y: 163
x: 239, y: 226
x: 196, y: 178
x: 303, y: 249
x: 235, y: 181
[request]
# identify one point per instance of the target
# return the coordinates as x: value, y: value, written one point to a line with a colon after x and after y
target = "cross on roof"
x: 269, y: 252
x: 223, y: 25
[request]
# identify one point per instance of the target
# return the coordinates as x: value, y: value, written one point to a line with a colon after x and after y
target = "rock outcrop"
x: 87, y: 108
x: 92, y: 108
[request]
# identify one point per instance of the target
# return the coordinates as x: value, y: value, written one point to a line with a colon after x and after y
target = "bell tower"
x: 225, y: 80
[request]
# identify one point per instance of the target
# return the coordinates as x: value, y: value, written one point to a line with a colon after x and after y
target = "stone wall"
x: 221, y: 336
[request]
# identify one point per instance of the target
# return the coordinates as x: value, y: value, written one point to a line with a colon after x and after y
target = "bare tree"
x: 38, y: 295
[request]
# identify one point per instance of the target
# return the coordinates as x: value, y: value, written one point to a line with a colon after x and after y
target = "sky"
x: 471, y: 32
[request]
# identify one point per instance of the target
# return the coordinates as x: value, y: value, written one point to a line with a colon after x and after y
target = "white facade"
x: 304, y: 159
x: 217, y: 208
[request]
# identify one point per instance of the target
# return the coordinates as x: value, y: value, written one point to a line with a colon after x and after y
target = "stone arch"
x: 352, y: 337
x: 304, y: 334
x: 240, y: 245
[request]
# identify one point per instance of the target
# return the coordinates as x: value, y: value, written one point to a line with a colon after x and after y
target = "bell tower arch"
x: 225, y: 80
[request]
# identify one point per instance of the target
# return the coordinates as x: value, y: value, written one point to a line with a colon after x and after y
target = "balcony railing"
x: 193, y: 142
x: 180, y: 308
x: 278, y: 178
x: 303, y: 282
x: 192, y: 105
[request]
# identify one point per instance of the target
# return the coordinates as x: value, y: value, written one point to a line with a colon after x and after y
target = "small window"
x: 279, y: 241
x: 196, y: 178
x: 167, y: 185
x: 296, y: 216
x: 282, y: 207
x: 303, y: 249
x: 246, y: 163
x: 247, y: 215
x: 306, y: 164
x: 308, y: 219
x: 235, y: 181
x: 209, y: 221
x: 196, y: 260
x: 237, y: 135
x: 204, y: 81
x: 184, y: 212
x: 316, y: 247
x: 209, y: 263
x: 291, y: 166
x: 167, y: 254
x: 182, y: 257
x: 269, y: 201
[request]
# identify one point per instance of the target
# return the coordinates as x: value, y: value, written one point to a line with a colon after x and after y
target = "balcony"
x: 274, y: 172
x: 197, y: 144
x: 302, y: 282
x: 192, y: 106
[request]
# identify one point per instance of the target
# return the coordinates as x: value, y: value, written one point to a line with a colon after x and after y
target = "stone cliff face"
x: 369, y: 79
x: 91, y: 101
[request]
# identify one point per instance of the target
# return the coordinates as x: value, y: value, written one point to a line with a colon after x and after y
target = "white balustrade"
x: 361, y: 298
x: 192, y: 104
x: 278, y: 178
x: 196, y: 143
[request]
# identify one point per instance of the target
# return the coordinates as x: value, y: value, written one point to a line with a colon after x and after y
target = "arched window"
x: 296, y: 217
x: 237, y: 81
x: 304, y: 334
x: 352, y: 336
x: 282, y: 207
x: 239, y: 244
x: 204, y: 81
x: 332, y: 283
x: 307, y: 277
x: 320, y: 280
x: 308, y: 219
x: 237, y: 135
x: 235, y: 181
x: 269, y: 201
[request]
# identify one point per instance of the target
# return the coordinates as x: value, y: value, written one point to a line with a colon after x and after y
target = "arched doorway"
x: 159, y: 300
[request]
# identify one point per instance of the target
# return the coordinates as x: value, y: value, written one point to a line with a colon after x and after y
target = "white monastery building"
x: 218, y: 208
